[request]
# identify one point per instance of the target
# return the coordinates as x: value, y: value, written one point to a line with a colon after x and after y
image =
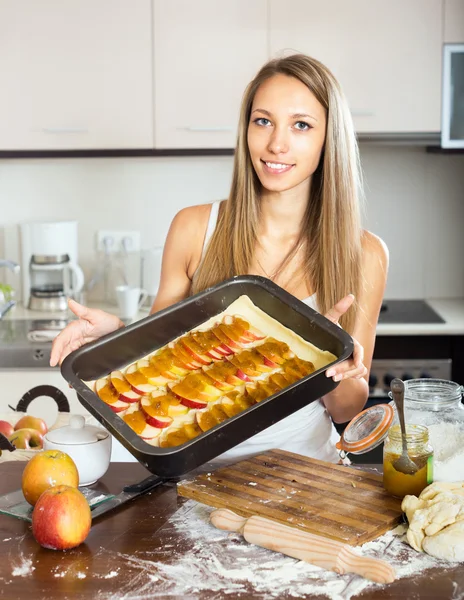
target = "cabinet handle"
x: 362, y: 113
x: 207, y: 129
x: 65, y: 130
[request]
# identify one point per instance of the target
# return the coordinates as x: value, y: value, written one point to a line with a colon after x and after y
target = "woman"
x: 293, y: 216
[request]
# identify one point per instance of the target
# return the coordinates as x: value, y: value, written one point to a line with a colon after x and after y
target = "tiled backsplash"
x: 414, y: 201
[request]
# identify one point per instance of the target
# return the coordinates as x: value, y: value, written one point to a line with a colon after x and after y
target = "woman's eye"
x: 302, y: 126
x: 262, y: 121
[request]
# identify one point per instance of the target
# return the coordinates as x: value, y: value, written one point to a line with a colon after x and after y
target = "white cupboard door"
x: 75, y: 74
x: 205, y: 53
x: 386, y: 55
x: 454, y: 22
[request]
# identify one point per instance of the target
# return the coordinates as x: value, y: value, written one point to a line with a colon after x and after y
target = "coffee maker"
x: 50, y: 273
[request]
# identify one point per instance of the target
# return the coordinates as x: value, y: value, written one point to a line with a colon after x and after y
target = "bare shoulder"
x: 192, y: 217
x: 375, y: 251
x: 187, y: 234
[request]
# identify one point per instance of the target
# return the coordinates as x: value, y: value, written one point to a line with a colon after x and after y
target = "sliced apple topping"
x: 197, y: 347
x: 274, y: 351
x: 184, y: 357
x: 197, y: 386
x: 138, y: 380
x: 108, y: 393
x: 126, y: 393
x: 296, y: 368
x: 169, y: 365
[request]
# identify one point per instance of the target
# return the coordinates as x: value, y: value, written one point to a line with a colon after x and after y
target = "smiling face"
x: 286, y: 133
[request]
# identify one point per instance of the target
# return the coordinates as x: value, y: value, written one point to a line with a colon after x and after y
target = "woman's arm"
x: 181, y: 255
x: 349, y: 398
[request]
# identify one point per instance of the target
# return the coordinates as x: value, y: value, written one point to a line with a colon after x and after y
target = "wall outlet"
x: 117, y: 241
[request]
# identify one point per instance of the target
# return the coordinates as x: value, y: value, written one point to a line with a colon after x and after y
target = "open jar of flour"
x: 436, y: 403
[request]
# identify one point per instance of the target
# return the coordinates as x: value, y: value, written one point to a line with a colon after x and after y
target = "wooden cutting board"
x: 334, y: 501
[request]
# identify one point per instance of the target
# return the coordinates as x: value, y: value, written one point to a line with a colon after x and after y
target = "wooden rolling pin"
x: 319, y: 551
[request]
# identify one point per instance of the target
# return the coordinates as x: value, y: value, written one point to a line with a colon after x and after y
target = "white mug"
x: 130, y: 299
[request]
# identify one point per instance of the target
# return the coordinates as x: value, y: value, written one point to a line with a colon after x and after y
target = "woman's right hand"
x: 91, y: 325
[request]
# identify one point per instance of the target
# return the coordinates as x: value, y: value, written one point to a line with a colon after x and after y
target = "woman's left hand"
x: 352, y: 368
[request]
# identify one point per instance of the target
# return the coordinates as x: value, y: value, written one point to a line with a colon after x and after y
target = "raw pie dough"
x: 436, y: 520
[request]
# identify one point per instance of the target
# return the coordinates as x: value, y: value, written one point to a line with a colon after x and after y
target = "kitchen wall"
x: 414, y: 201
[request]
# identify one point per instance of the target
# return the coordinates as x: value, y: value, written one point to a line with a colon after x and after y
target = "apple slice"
x: 242, y: 330
x: 193, y: 403
x: 120, y: 383
x: 174, y: 438
x: 229, y: 407
x: 108, y: 393
x: 138, y: 380
x: 205, y: 420
x: 195, y: 349
x: 297, y: 368
x: 136, y: 421
x: 159, y: 421
x: 192, y: 430
x: 169, y: 365
x: 183, y: 356
x: 152, y: 374
x: 274, y: 351
x: 196, y: 386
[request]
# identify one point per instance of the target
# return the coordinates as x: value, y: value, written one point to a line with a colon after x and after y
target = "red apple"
x: 26, y: 439
x: 124, y: 388
x: 30, y: 422
x: 61, y: 519
x: 47, y: 469
x: 135, y: 418
x: 6, y: 428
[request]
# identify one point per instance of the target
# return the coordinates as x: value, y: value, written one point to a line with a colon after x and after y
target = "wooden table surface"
x: 126, y: 548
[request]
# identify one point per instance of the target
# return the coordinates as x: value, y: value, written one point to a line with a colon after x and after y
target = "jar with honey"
x: 420, y: 452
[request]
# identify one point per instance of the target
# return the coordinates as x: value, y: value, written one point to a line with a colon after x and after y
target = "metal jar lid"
x: 367, y: 430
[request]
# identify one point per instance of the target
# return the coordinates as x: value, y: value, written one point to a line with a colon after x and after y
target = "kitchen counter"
x: 144, y: 549
x: 450, y: 309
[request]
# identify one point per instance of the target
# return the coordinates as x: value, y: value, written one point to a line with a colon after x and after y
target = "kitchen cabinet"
x: 386, y: 55
x: 75, y: 75
x: 454, y: 22
x: 203, y: 59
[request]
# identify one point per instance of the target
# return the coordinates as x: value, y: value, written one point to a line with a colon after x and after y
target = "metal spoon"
x: 403, y: 464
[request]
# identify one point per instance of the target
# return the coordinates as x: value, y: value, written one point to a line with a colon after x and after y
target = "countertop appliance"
x: 452, y: 116
x: 50, y: 273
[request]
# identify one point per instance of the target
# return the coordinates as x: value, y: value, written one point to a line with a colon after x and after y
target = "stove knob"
x: 425, y: 375
x: 407, y: 376
x: 387, y: 379
x: 373, y: 380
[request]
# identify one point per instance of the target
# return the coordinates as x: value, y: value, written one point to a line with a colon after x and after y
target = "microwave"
x: 452, y: 119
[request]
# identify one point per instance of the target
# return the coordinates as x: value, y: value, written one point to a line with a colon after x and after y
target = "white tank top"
x: 308, y: 431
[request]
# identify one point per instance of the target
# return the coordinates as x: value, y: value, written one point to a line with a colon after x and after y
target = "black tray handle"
x: 5, y: 443
x: 43, y: 390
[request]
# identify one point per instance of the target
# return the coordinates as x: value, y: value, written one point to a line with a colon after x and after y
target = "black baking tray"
x: 131, y: 343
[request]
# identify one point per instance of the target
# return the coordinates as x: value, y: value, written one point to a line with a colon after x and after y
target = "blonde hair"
x: 332, y: 223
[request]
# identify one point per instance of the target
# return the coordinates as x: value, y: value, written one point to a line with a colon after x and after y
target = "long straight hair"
x: 331, y: 227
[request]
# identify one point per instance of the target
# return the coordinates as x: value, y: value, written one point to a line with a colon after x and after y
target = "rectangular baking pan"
x: 127, y: 345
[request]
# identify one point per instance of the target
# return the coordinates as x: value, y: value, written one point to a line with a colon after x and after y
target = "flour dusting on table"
x: 220, y: 561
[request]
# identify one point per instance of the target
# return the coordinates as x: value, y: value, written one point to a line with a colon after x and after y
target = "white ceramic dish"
x: 88, y: 446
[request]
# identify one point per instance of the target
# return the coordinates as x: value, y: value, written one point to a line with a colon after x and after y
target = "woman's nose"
x: 278, y: 142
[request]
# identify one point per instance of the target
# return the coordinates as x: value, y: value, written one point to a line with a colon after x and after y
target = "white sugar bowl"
x: 88, y: 446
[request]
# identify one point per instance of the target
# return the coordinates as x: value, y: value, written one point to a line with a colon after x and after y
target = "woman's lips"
x: 276, y: 168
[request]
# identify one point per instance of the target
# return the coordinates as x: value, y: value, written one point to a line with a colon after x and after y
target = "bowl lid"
x: 367, y: 430
x: 77, y: 432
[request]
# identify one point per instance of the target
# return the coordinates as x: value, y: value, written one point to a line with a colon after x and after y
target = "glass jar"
x: 420, y: 451
x: 437, y: 404
x: 434, y: 403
